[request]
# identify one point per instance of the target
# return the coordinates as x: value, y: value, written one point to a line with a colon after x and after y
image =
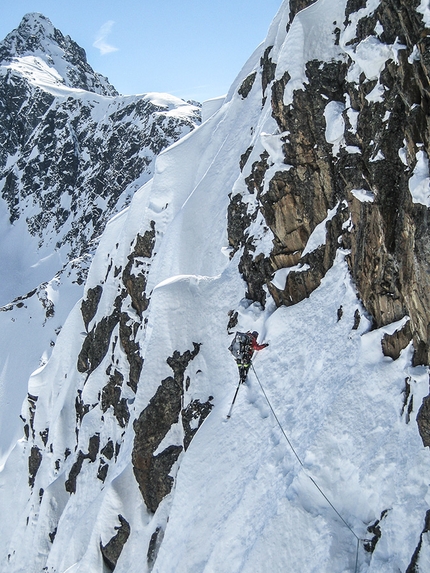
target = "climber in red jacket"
x: 243, y: 347
x: 254, y: 343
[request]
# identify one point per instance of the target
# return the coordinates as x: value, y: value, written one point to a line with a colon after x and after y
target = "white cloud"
x: 101, y: 39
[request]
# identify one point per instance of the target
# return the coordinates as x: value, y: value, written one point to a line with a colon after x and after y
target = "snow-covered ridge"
x: 127, y: 461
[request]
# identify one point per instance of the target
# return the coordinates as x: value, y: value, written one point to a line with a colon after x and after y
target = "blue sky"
x: 190, y: 48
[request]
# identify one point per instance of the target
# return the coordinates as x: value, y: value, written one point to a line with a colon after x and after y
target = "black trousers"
x: 243, y: 364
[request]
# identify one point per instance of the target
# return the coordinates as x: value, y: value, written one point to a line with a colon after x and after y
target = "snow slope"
x: 247, y: 492
x: 72, y: 154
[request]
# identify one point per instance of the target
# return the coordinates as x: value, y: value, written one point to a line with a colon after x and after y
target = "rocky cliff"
x: 72, y: 154
x: 299, y: 210
x: 72, y: 150
x: 361, y: 165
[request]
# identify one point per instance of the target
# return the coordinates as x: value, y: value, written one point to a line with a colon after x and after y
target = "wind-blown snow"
x: 424, y: 9
x: 335, y: 124
x: 211, y: 106
x: 419, y: 183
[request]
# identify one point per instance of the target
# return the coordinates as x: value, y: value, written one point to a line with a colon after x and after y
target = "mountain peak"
x: 36, y: 36
x: 35, y: 24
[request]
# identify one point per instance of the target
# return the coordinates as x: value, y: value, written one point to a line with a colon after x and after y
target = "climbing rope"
x: 306, y: 473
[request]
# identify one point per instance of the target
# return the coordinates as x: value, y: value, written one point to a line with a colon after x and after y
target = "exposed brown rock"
x: 246, y: 86
x: 150, y: 428
x: 108, y: 450
x: 81, y: 408
x: 238, y: 222
x: 75, y: 470
x: 244, y: 157
x: 97, y: 341
x: 423, y: 421
x: 196, y: 411
x: 268, y: 69
x: 111, y: 397
x: 154, y: 545
x: 134, y: 280
x: 102, y: 471
x: 393, y: 344
x: 113, y: 549
x: 93, y: 449
x: 408, y: 401
x: 254, y: 181
x: 90, y: 304
x: 152, y: 471
x: 127, y: 332
x: 34, y: 461
x: 389, y: 238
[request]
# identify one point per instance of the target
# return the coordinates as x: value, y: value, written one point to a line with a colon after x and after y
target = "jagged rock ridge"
x: 388, y: 234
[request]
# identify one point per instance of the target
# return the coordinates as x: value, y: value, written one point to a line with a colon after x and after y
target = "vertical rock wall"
x: 385, y: 129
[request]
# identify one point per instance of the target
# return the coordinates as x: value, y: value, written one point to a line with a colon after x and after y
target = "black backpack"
x: 240, y: 344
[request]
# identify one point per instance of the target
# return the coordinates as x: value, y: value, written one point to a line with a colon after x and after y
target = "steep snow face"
x: 127, y: 461
x: 72, y: 154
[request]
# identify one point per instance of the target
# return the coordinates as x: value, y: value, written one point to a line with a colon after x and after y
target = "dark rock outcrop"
x: 111, y: 397
x: 34, y: 461
x: 423, y: 421
x: 152, y: 471
x: 113, y: 548
x: 193, y: 417
x: 414, y: 565
x: 246, y: 86
x: 154, y: 545
x: 97, y: 341
x: 90, y: 303
x: 133, y: 279
x: 91, y: 455
x: 393, y: 344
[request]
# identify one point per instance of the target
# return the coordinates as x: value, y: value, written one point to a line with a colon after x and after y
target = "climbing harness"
x: 305, y: 472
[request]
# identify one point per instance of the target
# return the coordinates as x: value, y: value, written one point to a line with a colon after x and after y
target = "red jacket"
x: 256, y: 346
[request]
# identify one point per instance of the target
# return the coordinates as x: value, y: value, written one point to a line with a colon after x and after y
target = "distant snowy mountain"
x: 37, y: 48
x: 297, y: 209
x: 72, y: 154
